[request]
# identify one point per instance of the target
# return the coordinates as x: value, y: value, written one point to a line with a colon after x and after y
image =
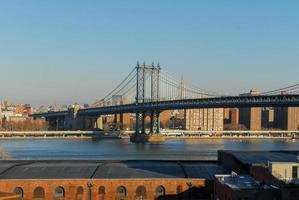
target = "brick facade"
x: 71, y: 186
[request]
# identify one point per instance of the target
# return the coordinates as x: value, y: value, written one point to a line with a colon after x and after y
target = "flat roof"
x: 263, y: 157
x: 108, y: 169
x: 238, y: 182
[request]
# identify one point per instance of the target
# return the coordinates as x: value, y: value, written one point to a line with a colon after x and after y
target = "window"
x: 160, y: 191
x: 101, y: 193
x: 179, y: 189
x: 141, y: 192
x: 121, y: 191
x: 101, y: 190
x: 80, y: 190
x: 19, y: 191
x: 295, y: 172
x: 59, y: 192
x: 79, y: 194
x: 39, y: 193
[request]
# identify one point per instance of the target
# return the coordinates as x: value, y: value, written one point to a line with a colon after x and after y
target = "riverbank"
x: 167, y: 135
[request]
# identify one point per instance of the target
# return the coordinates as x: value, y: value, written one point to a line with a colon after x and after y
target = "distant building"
x: 23, y: 109
x: 251, y: 117
x: 226, y: 116
x: 231, y: 116
x: 20, y: 108
x: 117, y: 100
x: 234, y: 116
x: 286, y: 118
x: 165, y: 119
x: 206, y: 119
x: 267, y: 118
x: 17, y: 118
x: 7, y: 114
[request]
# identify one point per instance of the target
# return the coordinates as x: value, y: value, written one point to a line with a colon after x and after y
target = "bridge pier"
x: 143, y: 122
x: 56, y: 123
x: 155, y: 122
x: 154, y: 135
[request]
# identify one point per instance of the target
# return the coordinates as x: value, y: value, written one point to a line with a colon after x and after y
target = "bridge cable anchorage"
x: 292, y: 89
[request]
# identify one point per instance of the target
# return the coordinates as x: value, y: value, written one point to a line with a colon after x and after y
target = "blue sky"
x: 65, y: 51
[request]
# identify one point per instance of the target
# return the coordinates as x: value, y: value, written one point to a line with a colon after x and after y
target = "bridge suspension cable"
x: 149, y: 83
x: 292, y: 89
x: 119, y: 85
x: 187, y: 90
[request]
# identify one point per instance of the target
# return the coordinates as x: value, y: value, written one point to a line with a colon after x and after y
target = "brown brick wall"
x: 111, y: 185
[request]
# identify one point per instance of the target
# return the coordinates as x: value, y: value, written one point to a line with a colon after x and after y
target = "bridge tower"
x: 140, y: 95
x: 143, y: 71
x: 155, y: 95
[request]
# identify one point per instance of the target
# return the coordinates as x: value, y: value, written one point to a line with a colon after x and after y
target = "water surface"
x: 192, y: 149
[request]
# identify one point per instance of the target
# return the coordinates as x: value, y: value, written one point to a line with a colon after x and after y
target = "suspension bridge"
x: 148, y: 90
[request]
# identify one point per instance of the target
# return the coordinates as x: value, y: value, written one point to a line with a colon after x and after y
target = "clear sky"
x: 65, y: 51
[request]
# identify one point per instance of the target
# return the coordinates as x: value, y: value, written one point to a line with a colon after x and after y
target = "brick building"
x: 267, y: 118
x: 286, y: 118
x: 276, y: 168
x: 207, y: 119
x: 85, y: 180
x: 251, y: 117
x: 235, y: 187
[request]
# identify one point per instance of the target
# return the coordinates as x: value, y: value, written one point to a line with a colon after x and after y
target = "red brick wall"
x: 111, y: 185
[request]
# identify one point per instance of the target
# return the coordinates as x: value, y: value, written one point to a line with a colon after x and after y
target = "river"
x: 114, y: 149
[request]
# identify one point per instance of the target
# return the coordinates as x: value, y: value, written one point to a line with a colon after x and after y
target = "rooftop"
x: 108, y: 169
x: 238, y: 182
x: 263, y: 157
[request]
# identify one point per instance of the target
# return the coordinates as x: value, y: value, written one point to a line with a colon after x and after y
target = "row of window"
x: 121, y: 191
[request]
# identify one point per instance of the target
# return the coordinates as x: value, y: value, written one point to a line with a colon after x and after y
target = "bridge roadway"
x: 217, y: 102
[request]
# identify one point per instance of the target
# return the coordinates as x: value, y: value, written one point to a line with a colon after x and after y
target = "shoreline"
x: 166, y: 138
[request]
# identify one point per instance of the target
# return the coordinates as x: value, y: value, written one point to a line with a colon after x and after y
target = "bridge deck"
x: 218, y: 102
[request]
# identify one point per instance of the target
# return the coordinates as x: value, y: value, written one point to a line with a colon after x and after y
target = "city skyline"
x: 66, y: 52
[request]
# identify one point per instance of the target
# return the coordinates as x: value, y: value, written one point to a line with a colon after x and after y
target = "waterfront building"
x: 165, y: 119
x: 234, y: 116
x: 206, y: 119
x: 251, y: 117
x: 231, y: 116
x: 286, y: 118
x: 226, y: 116
x: 84, y: 180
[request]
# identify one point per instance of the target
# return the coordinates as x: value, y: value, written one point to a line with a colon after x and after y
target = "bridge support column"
x: 121, y: 121
x: 99, y: 122
x: 155, y: 122
x: 143, y: 123
x: 137, y: 126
